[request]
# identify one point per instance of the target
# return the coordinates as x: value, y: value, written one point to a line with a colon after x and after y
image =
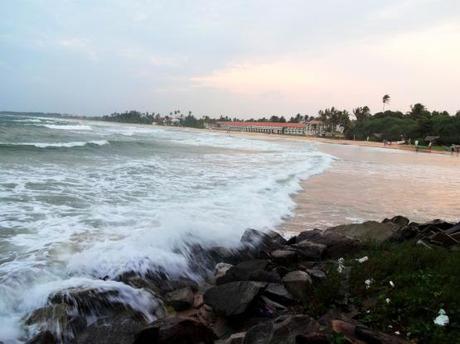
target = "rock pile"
x: 258, y: 293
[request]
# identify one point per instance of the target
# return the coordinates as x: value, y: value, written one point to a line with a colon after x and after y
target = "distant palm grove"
x: 415, y: 124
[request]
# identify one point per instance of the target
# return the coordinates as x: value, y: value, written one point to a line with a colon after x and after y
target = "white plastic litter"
x: 368, y: 283
x: 341, y: 267
x: 442, y: 319
x: 387, y: 300
x: 397, y: 333
x: 392, y: 284
x: 363, y: 259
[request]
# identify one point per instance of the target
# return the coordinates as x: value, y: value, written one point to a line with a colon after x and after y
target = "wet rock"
x: 120, y: 329
x: 262, y: 243
x: 283, y: 330
x: 278, y: 293
x: 367, y: 231
x: 440, y: 224
x: 298, y: 283
x: 398, y: 220
x: 232, y: 298
x: 45, y: 337
x: 309, y: 249
x: 221, y: 269
x: 337, y: 245
x: 443, y: 239
x: 251, y: 270
x: 284, y: 256
x: 181, y: 299
x: 176, y: 331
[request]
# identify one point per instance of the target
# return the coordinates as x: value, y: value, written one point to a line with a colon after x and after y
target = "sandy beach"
x: 369, y: 181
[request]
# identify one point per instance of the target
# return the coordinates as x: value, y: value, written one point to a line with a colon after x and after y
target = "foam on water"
x: 69, y: 219
x: 67, y: 127
x: 56, y: 144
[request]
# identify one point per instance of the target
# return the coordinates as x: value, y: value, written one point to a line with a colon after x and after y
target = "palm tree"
x: 385, y: 100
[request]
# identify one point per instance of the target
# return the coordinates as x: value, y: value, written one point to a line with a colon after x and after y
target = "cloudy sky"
x: 230, y: 57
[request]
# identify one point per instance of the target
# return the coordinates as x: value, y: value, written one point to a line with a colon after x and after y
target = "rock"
x: 337, y: 245
x: 282, y: 330
x: 278, y: 293
x: 405, y: 233
x: 221, y: 269
x: 232, y: 298
x: 440, y: 224
x: 398, y: 220
x: 175, y: 331
x: 45, y: 337
x: 312, y: 338
x: 284, y: 256
x: 251, y: 270
x: 262, y: 243
x: 309, y: 249
x: 298, y: 283
x: 120, y: 330
x: 235, y: 338
x: 367, y: 231
x: 443, y: 239
x: 181, y: 299
x: 317, y: 274
x: 453, y: 230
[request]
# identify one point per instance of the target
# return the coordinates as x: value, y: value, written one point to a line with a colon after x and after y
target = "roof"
x: 315, y: 121
x: 263, y: 124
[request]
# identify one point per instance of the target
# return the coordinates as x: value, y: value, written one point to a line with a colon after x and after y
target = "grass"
x: 425, y: 280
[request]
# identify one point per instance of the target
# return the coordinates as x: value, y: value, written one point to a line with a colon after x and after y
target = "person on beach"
x: 416, y: 145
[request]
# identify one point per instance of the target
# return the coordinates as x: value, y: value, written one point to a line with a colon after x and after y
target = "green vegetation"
x: 425, y: 280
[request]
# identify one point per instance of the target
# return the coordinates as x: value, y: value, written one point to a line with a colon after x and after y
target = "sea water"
x: 82, y: 202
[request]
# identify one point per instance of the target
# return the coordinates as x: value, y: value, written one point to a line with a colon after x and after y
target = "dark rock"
x: 45, y: 337
x: 221, y: 269
x: 284, y: 256
x: 298, y: 283
x: 453, y: 230
x: 309, y: 249
x: 312, y: 338
x: 405, y: 233
x: 441, y: 238
x: 262, y: 243
x: 235, y: 338
x: 181, y: 299
x: 337, y: 245
x: 122, y: 330
x: 279, y: 293
x: 317, y: 274
x: 232, y: 298
x: 176, y: 331
x: 440, y: 224
x: 367, y: 231
x: 252, y: 270
x: 283, y: 330
x: 398, y: 220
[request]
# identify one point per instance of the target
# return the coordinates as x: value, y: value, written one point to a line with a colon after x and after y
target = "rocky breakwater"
x: 310, y: 288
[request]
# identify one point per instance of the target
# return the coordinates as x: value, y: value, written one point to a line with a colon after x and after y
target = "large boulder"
x: 298, y: 283
x: 234, y: 298
x: 284, y: 256
x: 279, y: 293
x: 176, y: 331
x: 309, y: 249
x: 336, y: 244
x: 181, y: 299
x: 398, y: 220
x: 367, y: 231
x: 262, y: 243
x: 251, y: 270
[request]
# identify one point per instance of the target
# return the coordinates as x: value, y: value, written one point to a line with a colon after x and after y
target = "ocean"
x: 82, y: 202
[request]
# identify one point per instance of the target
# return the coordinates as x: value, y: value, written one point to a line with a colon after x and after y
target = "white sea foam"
x: 57, y: 144
x: 67, y: 126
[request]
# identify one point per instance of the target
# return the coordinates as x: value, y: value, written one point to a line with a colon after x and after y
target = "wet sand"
x: 373, y: 183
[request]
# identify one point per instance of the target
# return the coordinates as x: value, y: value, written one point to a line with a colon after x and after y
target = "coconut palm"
x: 385, y: 100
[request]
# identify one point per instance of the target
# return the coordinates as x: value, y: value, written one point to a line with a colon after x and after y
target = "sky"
x: 241, y: 58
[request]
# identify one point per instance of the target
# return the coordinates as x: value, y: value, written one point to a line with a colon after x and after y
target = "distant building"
x: 315, y: 127
x: 263, y: 127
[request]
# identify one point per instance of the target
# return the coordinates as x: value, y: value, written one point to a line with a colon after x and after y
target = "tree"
x: 362, y: 113
x: 385, y: 100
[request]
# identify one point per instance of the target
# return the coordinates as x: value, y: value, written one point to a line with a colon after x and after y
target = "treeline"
x: 416, y: 124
